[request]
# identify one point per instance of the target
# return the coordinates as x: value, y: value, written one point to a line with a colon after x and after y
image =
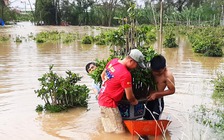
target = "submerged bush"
x: 218, y: 93
x: 87, y: 40
x: 61, y: 93
x: 214, y: 116
x: 54, y: 36
x: 170, y: 40
x: 207, y: 41
x: 4, y: 38
x: 101, y: 39
x: 18, y: 39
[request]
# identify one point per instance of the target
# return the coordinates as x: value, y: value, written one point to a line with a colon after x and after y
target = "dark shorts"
x: 156, y: 107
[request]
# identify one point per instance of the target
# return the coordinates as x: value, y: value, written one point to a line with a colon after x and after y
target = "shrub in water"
x: 61, y: 93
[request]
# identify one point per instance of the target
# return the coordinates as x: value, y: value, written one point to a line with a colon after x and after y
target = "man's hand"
x: 130, y: 96
x: 135, y: 102
x: 152, y: 96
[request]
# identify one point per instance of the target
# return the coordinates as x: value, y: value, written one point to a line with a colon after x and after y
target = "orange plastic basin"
x: 146, y: 127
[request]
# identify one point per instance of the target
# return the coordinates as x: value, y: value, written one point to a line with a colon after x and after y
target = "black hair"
x: 158, y: 62
x: 88, y: 65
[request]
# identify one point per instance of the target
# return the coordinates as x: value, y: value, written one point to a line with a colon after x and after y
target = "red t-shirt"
x: 112, y: 90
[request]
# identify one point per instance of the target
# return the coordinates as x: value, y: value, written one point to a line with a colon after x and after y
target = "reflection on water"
x: 56, y: 122
x: 21, y: 64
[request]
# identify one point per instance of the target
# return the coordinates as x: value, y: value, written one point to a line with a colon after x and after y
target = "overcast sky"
x: 25, y: 5
x: 22, y: 4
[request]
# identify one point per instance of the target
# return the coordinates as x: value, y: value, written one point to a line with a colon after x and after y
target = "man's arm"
x: 130, y: 96
x: 170, y: 84
x: 103, y: 75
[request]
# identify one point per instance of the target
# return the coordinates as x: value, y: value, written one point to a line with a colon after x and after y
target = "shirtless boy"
x: 165, y: 86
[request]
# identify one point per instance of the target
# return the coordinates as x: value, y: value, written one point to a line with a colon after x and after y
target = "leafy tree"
x: 6, y: 13
x: 102, y: 12
x: 69, y: 13
x: 47, y: 11
x: 107, y: 9
x: 81, y: 8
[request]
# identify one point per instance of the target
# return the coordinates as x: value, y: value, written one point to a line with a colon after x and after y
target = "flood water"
x: 21, y: 64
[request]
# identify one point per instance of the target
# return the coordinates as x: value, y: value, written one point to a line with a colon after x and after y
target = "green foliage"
x: 120, y: 37
x: 90, y: 12
x: 47, y: 11
x: 148, y: 52
x: 101, y: 38
x: 96, y: 74
x: 142, y: 78
x: 218, y: 93
x: 116, y: 37
x: 208, y: 46
x: 170, y: 40
x: 39, y: 108
x: 27, y: 16
x: 213, y: 117
x: 146, y: 34
x: 7, y: 13
x: 207, y: 41
x: 18, y: 39
x: 150, y: 37
x: 101, y: 42
x: 54, y: 108
x: 4, y: 38
x: 87, y: 40
x: 54, y: 36
x: 61, y: 93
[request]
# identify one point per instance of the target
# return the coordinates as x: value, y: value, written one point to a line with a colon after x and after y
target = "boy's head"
x: 91, y: 66
x: 158, y: 63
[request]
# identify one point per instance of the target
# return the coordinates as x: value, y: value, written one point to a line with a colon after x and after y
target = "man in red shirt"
x: 117, y: 80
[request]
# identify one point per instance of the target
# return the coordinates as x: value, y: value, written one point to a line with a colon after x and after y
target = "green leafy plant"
x: 18, y: 39
x: 61, y: 93
x: 87, y: 40
x: 55, y: 36
x: 96, y: 74
x: 4, y: 38
x: 218, y: 93
x: 39, y: 108
x: 213, y: 116
x: 142, y: 78
x: 170, y: 40
x: 207, y: 40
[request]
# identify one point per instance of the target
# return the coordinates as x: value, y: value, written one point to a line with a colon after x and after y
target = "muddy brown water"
x: 21, y: 64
